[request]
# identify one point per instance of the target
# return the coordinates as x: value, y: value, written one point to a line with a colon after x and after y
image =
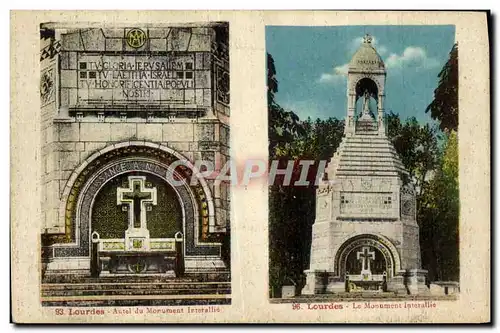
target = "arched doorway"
x: 154, y: 162
x: 137, y: 226
x: 366, y: 262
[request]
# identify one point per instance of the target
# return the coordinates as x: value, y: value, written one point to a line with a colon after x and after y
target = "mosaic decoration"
x: 222, y: 77
x: 408, y: 202
x: 102, y: 165
x: 162, y: 245
x: 371, y: 241
x: 136, y: 38
x: 50, y: 51
x: 163, y: 219
x: 47, y: 86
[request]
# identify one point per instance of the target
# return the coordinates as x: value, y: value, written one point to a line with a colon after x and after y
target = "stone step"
x: 109, y: 291
x: 137, y: 300
x: 91, y: 292
x: 374, y: 150
x: 355, y: 173
x: 362, y: 153
x: 366, y: 161
x: 364, y: 138
x: 364, y: 164
x: 368, y: 166
x: 366, y: 133
x: 368, y: 146
x: 133, y: 286
x: 344, y: 167
x: 61, y: 279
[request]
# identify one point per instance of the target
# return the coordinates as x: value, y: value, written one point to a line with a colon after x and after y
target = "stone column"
x: 380, y: 115
x: 315, y: 282
x: 396, y: 284
x: 415, y: 281
x: 350, y: 120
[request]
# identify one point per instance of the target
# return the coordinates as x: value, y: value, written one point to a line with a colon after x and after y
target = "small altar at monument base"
x: 408, y: 282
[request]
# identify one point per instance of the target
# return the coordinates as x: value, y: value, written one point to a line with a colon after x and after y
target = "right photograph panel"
x: 363, y: 181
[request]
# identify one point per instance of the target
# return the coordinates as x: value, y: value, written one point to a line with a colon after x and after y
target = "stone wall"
x: 73, y: 127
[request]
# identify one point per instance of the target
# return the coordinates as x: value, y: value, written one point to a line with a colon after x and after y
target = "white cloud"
x: 412, y: 56
x: 338, y: 75
x: 304, y: 108
x: 382, y: 50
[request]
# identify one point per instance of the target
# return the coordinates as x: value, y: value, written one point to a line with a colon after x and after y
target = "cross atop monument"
x: 367, y: 39
x: 365, y: 255
x: 136, y: 196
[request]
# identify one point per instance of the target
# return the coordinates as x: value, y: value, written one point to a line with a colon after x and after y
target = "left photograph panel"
x: 132, y: 119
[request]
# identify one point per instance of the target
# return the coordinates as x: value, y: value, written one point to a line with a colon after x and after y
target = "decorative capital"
x: 367, y: 39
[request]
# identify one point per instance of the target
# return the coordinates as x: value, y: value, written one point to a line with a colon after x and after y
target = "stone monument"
x: 121, y: 109
x: 365, y: 236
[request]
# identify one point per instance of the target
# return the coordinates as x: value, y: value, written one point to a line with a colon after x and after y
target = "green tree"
x: 417, y: 146
x: 444, y: 106
x: 291, y: 208
x: 439, y: 216
x: 284, y: 126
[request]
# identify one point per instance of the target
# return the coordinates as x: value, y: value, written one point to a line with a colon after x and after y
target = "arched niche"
x: 135, y: 156
x: 380, y: 243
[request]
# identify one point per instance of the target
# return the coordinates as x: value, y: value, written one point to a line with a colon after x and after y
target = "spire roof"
x: 366, y: 57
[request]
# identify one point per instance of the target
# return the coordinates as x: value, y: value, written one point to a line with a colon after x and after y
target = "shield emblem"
x: 366, y: 184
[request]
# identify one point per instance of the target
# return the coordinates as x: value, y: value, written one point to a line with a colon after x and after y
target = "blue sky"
x: 311, y: 63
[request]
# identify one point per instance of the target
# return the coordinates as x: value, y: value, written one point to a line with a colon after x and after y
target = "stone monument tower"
x: 365, y: 236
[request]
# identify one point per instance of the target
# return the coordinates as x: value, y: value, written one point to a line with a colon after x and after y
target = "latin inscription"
x: 126, y: 166
x: 366, y: 204
x: 368, y: 62
x: 134, y: 78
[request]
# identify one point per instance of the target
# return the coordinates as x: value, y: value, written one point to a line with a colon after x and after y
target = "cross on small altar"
x: 136, y: 196
x: 365, y: 255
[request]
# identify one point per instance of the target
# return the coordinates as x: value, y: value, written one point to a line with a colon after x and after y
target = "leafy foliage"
x: 439, y: 217
x: 444, y: 107
x: 433, y: 169
x: 283, y: 125
x: 417, y: 146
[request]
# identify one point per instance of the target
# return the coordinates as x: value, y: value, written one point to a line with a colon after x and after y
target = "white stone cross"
x: 365, y: 255
x: 136, y: 196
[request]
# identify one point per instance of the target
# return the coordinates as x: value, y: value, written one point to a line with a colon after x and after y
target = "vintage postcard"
x: 231, y: 167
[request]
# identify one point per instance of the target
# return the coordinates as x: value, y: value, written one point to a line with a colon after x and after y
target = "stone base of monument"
x: 396, y: 284
x: 288, y: 291
x: 335, y: 287
x: 336, y: 284
x: 415, y: 281
x: 411, y: 281
x: 444, y: 288
x: 316, y: 282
